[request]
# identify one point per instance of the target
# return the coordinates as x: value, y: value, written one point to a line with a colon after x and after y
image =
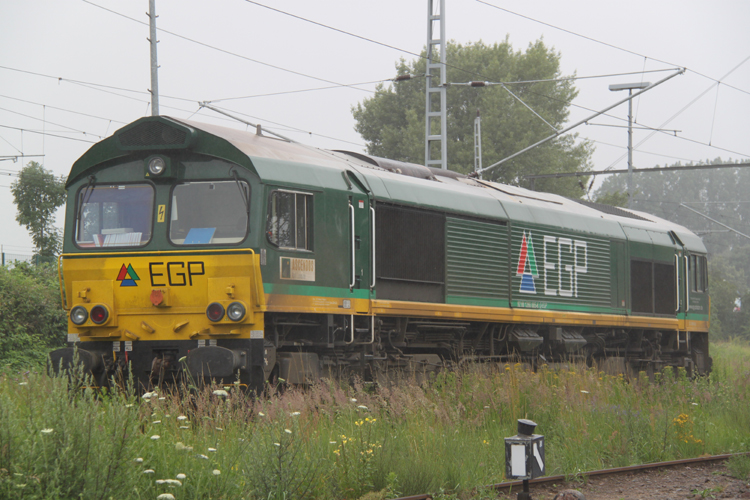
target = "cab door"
x: 361, y: 245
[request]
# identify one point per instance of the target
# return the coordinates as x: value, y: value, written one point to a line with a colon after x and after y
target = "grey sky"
x: 78, y: 44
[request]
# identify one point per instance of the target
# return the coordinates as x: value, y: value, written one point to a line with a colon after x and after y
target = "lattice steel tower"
x: 435, y: 95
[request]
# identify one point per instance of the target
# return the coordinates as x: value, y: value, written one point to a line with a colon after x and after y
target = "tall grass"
x: 350, y: 441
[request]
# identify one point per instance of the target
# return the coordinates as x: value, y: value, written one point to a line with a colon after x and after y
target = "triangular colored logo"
x: 527, y: 268
x: 127, y: 276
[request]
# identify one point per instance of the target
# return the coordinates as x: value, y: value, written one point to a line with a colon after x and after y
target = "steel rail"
x: 601, y: 472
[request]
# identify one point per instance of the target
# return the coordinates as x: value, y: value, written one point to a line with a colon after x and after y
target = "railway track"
x: 540, y: 487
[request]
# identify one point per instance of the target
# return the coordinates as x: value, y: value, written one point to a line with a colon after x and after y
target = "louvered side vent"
x: 152, y: 135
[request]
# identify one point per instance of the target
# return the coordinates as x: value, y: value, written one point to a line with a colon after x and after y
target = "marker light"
x: 156, y: 166
x: 215, y: 311
x: 236, y: 311
x: 79, y: 315
x: 99, y: 314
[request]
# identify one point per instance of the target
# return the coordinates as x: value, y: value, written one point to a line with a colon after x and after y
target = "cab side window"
x: 290, y: 220
x: 698, y: 273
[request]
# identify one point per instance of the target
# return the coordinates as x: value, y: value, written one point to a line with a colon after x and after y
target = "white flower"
x: 23, y: 383
x: 165, y: 496
x: 261, y: 414
x: 139, y: 460
x: 584, y: 392
x: 694, y: 404
x: 204, y: 457
x: 287, y: 431
x: 47, y: 431
x: 221, y: 393
x: 486, y: 407
x: 129, y: 406
x: 363, y: 407
x: 353, y: 400
x: 212, y: 450
x: 216, y: 472
x: 155, y: 437
x: 170, y: 482
x: 181, y: 418
x: 156, y: 422
x: 181, y: 447
x: 148, y: 395
x: 219, y: 429
x: 181, y: 477
x: 331, y: 442
x: 294, y: 414
x: 162, y: 398
x: 184, y: 427
x: 148, y: 471
x: 277, y: 444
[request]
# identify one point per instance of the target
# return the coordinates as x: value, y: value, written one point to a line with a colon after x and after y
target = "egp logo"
x: 563, y: 260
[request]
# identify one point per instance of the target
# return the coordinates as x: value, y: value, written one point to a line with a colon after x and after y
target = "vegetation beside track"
x: 334, y: 441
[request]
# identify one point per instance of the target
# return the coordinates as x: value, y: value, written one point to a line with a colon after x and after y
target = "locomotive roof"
x: 280, y: 161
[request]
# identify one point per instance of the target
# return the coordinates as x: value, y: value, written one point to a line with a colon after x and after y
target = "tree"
x: 38, y: 194
x: 392, y: 121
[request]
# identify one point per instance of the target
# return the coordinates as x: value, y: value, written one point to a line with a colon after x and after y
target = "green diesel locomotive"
x: 241, y: 257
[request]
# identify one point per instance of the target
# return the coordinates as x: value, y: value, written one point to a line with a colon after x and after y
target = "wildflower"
x: 358, y: 423
x: 181, y: 477
x: 218, y: 428
x: 261, y: 414
x: 221, y: 393
x: 148, y: 471
x: 181, y: 447
x: 169, y: 482
x: 47, y: 431
x: 486, y: 407
x: 165, y: 496
x: 182, y: 359
x: 363, y: 407
x: 139, y: 460
x: 584, y: 392
x: 294, y: 414
x: 353, y: 400
x: 129, y: 406
x: 204, y: 457
x: 148, y: 395
x: 184, y: 427
x: 287, y: 431
x: 216, y: 472
x: 23, y: 383
x: 694, y: 404
x: 155, y: 422
x: 181, y: 418
x: 162, y: 398
x: 155, y: 437
x: 277, y: 444
x: 212, y: 450
x: 331, y: 442
x: 337, y: 452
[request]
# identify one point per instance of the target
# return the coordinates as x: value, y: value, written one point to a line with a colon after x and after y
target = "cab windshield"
x: 209, y: 213
x: 114, y: 215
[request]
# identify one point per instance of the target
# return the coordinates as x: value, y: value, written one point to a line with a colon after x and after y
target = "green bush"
x: 32, y: 320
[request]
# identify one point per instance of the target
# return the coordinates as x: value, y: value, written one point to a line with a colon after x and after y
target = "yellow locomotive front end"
x: 147, y: 312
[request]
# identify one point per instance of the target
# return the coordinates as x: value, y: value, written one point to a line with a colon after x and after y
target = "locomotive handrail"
x: 354, y: 264
x: 677, y: 281
x: 60, y: 282
x: 372, y: 211
x: 687, y: 284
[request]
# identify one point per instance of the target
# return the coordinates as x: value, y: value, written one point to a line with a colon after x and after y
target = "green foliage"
x: 32, y: 320
x: 739, y: 466
x: 37, y: 194
x: 392, y: 121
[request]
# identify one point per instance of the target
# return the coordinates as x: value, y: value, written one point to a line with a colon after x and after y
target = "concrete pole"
x: 154, y: 64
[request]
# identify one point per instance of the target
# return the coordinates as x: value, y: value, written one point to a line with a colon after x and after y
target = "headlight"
x: 236, y: 311
x: 156, y: 166
x: 215, y: 311
x: 99, y: 314
x: 79, y: 315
